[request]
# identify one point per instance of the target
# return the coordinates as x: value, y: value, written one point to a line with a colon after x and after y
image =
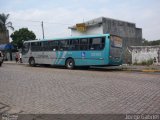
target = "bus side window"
x: 67, y: 45
x: 63, y: 45
x: 74, y: 44
x: 36, y: 46
x: 53, y: 45
x: 39, y: 47
x: 45, y: 46
x: 84, y: 44
x: 96, y: 43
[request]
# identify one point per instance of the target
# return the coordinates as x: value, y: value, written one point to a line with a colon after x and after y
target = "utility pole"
x: 42, y: 30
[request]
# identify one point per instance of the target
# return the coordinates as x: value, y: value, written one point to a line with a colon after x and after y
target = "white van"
x: 1, y: 58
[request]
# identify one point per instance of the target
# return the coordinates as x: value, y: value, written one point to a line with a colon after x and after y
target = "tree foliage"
x: 151, y: 43
x: 4, y: 24
x: 22, y: 35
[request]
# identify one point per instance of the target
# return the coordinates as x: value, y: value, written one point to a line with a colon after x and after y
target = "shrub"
x: 144, y: 62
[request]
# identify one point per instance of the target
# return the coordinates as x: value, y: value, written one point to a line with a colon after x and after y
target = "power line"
x: 43, y: 22
x: 40, y: 23
x: 56, y: 23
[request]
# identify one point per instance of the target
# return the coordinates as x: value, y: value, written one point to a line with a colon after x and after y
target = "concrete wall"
x: 131, y: 35
x: 145, y: 53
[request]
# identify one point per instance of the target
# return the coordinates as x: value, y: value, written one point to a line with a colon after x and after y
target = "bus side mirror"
x: 54, y: 49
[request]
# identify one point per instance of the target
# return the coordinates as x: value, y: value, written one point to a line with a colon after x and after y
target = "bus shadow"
x: 103, y: 69
x: 92, y: 68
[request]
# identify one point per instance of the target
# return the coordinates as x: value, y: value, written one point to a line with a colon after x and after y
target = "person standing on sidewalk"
x: 20, y: 57
x: 1, y: 58
x: 17, y: 57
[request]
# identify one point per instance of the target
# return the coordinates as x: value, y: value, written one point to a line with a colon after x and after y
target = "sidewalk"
x: 13, y: 63
x: 151, y: 68
x: 138, y: 68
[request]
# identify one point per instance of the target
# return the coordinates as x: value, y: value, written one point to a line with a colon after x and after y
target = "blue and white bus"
x: 90, y: 50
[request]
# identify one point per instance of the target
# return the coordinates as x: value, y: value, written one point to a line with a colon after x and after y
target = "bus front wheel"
x: 70, y: 64
x: 32, y: 62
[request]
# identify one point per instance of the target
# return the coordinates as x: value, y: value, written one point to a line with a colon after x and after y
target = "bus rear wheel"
x: 70, y: 64
x: 32, y: 62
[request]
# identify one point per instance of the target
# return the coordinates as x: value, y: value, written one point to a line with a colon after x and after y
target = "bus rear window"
x: 116, y: 41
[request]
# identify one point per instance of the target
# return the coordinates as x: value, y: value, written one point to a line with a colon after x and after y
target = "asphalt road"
x: 94, y: 91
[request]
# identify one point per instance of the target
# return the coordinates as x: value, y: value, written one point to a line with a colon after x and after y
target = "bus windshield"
x: 25, y: 48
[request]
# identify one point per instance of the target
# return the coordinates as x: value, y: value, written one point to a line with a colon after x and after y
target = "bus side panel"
x: 38, y: 57
x: 49, y: 57
x: 60, y: 58
x: 81, y: 58
x: 25, y: 58
x: 106, y: 50
x: 89, y: 62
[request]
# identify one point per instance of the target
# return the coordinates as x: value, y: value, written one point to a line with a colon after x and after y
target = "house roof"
x: 90, y: 23
x: 98, y: 21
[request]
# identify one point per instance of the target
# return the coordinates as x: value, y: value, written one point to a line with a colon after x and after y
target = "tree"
x: 4, y: 25
x: 151, y: 43
x: 21, y: 35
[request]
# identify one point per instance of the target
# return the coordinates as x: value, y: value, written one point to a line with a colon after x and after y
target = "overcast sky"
x: 59, y: 14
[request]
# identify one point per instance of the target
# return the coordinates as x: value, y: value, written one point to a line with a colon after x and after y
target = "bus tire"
x: 70, y: 64
x: 32, y: 62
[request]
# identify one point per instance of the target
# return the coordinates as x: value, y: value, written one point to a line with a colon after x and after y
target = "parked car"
x: 1, y: 58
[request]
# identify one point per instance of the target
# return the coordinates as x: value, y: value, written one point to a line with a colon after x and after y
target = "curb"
x: 14, y: 63
x: 150, y: 70
x: 143, y: 70
x: 123, y: 69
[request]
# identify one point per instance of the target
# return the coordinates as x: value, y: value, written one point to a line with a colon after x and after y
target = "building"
x: 4, y: 37
x: 5, y: 46
x: 132, y: 36
x: 142, y: 54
